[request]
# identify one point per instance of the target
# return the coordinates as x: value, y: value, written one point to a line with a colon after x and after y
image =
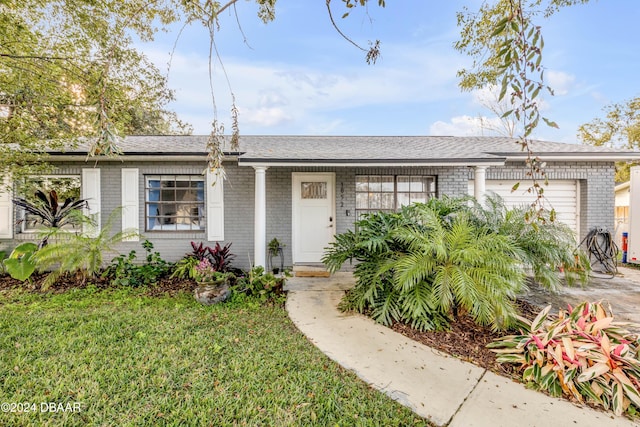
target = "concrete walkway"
x: 438, y: 387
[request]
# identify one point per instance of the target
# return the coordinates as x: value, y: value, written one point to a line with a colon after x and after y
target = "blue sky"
x: 297, y: 76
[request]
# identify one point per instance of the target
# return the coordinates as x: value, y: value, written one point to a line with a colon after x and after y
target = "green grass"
x: 132, y: 360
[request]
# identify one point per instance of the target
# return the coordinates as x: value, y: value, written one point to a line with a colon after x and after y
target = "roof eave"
x: 138, y: 157
x: 582, y: 157
x: 242, y: 161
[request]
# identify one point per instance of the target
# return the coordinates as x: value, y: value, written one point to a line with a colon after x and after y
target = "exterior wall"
x: 596, y: 187
x: 451, y: 181
x: 596, y: 199
x: 171, y: 245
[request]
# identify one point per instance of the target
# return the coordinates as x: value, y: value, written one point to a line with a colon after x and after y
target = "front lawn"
x: 129, y: 359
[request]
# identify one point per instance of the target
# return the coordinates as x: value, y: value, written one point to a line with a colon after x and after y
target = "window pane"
x: 374, y: 201
x: 314, y: 190
x: 386, y: 201
x: 362, y: 183
x: 375, y: 183
x: 403, y: 183
x: 387, y: 183
x: 362, y: 200
x: 419, y: 197
x: 403, y: 199
x: 417, y: 184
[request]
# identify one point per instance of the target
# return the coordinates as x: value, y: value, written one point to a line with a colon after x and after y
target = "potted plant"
x: 275, y: 249
x: 213, y: 286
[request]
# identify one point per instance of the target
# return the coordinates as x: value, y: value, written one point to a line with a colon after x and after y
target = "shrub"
x: 548, y: 247
x: 125, y: 271
x: 582, y: 354
x: 3, y: 256
x: 261, y: 285
x: 422, y: 267
x: 430, y: 262
x: 219, y: 257
x: 47, y: 211
x: 78, y: 253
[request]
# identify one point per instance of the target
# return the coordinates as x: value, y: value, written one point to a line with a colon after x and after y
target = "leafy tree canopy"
x: 68, y: 68
x: 619, y: 128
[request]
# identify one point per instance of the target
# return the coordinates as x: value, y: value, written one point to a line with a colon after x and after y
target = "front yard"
x: 123, y: 358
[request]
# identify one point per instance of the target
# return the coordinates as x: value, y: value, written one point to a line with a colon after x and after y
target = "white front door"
x: 314, y: 215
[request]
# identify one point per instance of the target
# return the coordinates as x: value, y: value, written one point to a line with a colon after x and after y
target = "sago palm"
x: 79, y: 253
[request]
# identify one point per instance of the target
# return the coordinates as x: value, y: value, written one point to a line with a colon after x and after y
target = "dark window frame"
x: 174, y: 214
x: 429, y: 183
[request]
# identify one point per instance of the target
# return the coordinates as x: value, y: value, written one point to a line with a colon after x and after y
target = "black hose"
x: 603, y: 250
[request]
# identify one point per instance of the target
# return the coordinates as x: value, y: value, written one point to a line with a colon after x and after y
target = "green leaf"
x: 550, y: 123
x: 500, y: 26
x: 503, y: 89
x: 20, y: 264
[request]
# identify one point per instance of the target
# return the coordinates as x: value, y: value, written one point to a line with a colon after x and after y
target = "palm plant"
x: 456, y: 267
x: 79, y: 253
x: 548, y: 247
x: 430, y: 262
x: 48, y: 212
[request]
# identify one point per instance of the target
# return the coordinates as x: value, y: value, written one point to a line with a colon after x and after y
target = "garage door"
x: 561, y: 194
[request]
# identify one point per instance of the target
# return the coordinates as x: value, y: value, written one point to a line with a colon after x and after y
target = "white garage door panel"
x: 562, y: 195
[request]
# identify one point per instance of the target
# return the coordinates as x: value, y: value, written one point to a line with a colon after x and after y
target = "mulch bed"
x: 468, y: 341
x: 165, y: 286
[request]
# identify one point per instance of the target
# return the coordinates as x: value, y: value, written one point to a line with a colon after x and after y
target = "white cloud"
x: 266, y: 116
x: 269, y: 95
x: 464, y: 126
x: 560, y: 82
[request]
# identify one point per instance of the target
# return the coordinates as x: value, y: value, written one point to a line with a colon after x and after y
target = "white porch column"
x: 260, y: 218
x: 480, y: 183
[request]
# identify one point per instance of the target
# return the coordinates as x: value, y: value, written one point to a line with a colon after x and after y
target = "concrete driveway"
x: 621, y: 293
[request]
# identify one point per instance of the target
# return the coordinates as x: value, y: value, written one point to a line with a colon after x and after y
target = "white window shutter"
x: 91, y: 192
x: 215, y: 206
x: 6, y: 212
x: 130, y: 203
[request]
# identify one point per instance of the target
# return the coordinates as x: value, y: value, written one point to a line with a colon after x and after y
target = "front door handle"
x: 330, y: 221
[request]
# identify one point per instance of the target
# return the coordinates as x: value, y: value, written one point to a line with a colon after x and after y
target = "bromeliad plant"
x: 583, y: 354
x: 219, y: 259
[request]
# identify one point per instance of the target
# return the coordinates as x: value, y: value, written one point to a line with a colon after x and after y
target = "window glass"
x: 387, y: 183
x: 362, y: 183
x: 313, y: 190
x: 403, y: 183
x: 174, y: 202
x: 403, y: 199
x: 389, y: 192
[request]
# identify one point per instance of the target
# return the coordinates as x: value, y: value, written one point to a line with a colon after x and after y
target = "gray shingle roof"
x: 363, y: 149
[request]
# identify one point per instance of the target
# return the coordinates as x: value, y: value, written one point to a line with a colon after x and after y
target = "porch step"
x: 313, y: 270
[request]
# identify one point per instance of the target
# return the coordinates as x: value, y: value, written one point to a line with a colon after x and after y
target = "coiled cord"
x: 603, y: 250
